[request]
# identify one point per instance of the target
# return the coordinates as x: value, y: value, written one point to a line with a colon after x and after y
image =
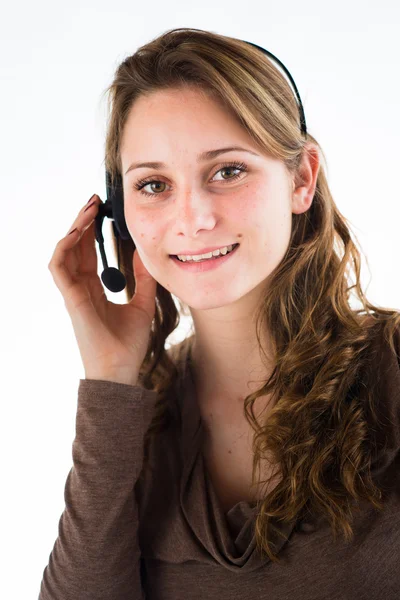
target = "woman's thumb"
x: 146, y: 285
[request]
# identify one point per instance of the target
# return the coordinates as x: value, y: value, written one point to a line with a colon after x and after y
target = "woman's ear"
x: 307, y: 174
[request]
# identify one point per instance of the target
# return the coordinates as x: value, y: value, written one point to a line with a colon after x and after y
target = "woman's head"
x: 190, y: 91
x: 196, y: 204
x: 185, y: 93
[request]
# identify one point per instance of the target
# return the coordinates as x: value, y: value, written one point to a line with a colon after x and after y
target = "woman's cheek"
x: 138, y: 226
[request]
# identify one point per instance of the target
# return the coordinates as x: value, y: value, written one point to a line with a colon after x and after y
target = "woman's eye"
x: 142, y: 183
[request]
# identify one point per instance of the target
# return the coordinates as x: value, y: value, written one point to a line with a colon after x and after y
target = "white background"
x: 56, y: 60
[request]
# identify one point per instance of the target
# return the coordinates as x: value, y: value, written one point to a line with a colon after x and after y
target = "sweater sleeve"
x: 97, y: 554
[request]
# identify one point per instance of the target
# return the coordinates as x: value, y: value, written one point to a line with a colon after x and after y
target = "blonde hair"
x: 317, y: 430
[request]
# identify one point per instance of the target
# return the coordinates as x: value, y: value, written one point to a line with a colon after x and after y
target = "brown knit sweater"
x: 160, y: 533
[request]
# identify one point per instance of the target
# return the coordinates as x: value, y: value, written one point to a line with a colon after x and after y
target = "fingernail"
x: 90, y: 198
x: 72, y: 231
x: 89, y: 206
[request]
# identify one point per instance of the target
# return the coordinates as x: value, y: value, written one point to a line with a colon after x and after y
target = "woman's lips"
x: 205, y: 252
x: 200, y: 266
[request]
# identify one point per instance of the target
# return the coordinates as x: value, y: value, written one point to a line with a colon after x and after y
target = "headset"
x: 113, y: 208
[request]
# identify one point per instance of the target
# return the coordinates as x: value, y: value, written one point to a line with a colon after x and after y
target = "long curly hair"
x: 316, y: 432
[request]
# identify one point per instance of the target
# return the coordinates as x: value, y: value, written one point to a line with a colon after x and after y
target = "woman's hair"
x: 317, y: 431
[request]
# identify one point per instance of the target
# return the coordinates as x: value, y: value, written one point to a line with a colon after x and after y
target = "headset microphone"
x: 113, y: 279
x: 113, y: 208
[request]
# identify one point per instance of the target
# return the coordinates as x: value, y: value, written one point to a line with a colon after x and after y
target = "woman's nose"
x: 194, y: 210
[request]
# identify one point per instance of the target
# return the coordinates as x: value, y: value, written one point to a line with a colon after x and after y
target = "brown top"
x: 160, y: 533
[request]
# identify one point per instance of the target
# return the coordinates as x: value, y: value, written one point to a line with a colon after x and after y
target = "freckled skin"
x: 191, y: 212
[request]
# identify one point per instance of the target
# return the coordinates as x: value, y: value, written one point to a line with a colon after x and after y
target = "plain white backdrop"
x: 56, y: 60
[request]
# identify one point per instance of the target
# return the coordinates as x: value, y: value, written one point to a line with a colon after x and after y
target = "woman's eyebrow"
x: 203, y: 156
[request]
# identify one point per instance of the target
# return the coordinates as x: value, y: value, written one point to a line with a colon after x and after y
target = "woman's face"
x: 195, y: 205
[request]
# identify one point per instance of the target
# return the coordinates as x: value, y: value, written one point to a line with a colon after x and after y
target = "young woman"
x: 259, y: 458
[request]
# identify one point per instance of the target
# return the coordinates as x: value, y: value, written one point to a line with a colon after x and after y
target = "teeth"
x: 222, y: 251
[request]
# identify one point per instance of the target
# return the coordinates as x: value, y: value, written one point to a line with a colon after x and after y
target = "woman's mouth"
x: 206, y: 264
